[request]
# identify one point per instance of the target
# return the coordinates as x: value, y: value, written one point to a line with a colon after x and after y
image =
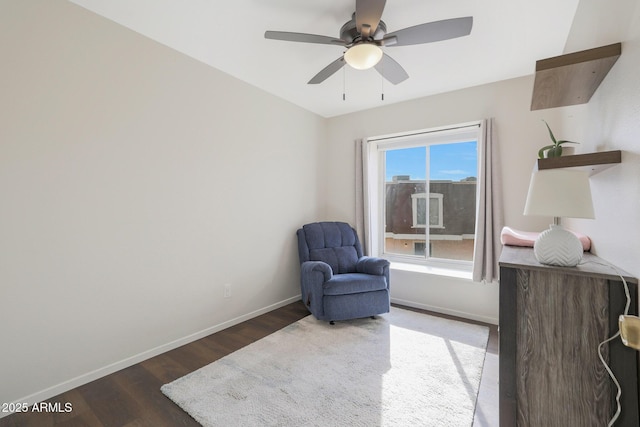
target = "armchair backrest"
x: 335, y: 243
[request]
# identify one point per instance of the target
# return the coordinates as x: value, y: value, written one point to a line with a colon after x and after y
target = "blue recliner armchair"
x: 337, y: 281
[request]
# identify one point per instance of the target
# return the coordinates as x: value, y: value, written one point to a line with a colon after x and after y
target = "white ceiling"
x: 506, y: 40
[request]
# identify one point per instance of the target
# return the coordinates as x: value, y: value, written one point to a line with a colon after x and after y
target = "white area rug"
x: 400, y: 369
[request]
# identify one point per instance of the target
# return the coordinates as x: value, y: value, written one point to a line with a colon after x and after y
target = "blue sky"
x: 448, y: 162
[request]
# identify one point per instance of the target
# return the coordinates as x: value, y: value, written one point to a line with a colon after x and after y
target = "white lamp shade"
x: 559, y: 193
x: 363, y: 56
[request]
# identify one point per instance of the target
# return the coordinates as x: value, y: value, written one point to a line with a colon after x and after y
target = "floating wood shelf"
x: 591, y: 162
x: 572, y: 78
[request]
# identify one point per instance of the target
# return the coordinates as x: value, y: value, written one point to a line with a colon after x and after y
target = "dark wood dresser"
x: 551, y: 322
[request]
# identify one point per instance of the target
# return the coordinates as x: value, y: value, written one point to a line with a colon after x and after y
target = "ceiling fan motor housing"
x: 349, y: 33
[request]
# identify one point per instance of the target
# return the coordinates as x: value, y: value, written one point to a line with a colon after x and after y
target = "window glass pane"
x: 453, y: 170
x: 450, y: 201
x: 405, y: 212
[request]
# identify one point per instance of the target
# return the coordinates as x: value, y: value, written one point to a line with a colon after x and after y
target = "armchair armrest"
x: 309, y: 267
x: 372, y: 265
x: 313, y: 275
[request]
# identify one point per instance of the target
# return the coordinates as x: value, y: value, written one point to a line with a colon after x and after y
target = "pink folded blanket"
x: 513, y: 237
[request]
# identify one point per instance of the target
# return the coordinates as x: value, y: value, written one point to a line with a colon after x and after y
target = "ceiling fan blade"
x: 327, y: 71
x: 432, y: 32
x: 302, y: 37
x: 368, y: 14
x: 391, y: 70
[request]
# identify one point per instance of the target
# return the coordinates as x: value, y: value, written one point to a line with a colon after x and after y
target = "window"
x: 426, y: 195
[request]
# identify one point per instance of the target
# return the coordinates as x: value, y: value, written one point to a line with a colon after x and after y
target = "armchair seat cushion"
x: 353, y: 283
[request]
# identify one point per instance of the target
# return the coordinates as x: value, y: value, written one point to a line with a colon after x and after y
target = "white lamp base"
x: 557, y: 246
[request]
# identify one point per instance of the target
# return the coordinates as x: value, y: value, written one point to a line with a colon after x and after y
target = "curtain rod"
x: 423, y: 132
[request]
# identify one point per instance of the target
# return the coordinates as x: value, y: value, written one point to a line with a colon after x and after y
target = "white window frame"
x: 414, y: 209
x: 376, y: 146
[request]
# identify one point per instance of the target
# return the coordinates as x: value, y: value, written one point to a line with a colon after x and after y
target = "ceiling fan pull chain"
x: 382, y: 82
x: 344, y: 84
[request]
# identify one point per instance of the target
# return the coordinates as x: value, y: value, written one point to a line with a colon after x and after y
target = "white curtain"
x: 362, y: 195
x: 489, y: 221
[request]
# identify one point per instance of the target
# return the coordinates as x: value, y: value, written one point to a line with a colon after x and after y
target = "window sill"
x: 431, y: 270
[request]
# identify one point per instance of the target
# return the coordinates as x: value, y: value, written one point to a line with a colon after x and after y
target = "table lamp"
x: 559, y: 193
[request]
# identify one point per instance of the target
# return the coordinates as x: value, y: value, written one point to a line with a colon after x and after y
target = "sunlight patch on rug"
x: 402, y: 368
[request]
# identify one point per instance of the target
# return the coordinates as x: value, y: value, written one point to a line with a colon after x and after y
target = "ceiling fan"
x: 365, y: 34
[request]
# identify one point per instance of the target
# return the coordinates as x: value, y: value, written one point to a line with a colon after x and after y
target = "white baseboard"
x: 442, y: 310
x: 129, y: 361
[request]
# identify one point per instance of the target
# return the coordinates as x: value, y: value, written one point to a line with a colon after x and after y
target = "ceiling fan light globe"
x: 363, y: 56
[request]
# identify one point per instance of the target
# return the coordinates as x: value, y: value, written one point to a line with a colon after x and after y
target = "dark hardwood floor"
x: 131, y: 397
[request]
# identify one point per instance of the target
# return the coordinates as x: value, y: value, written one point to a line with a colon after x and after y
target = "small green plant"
x: 554, y: 150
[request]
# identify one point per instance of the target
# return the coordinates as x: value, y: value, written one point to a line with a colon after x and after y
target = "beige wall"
x: 134, y: 183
